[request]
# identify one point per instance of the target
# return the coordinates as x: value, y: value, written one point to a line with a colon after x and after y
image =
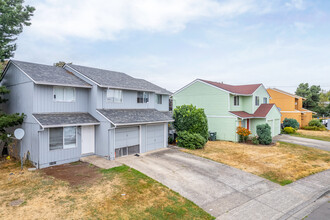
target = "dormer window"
x: 114, y: 95
x: 142, y: 97
x: 64, y: 94
x: 236, y: 100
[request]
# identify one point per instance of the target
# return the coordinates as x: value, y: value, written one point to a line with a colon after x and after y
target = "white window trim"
x: 161, y: 98
x: 137, y: 94
x: 49, y: 150
x: 255, y: 101
x: 108, y: 100
x: 238, y: 100
x: 74, y: 94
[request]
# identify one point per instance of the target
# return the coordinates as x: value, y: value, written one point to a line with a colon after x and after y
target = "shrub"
x: 255, y: 140
x: 264, y: 133
x: 289, y: 130
x: 315, y: 122
x: 315, y: 128
x: 243, y: 133
x: 191, y: 119
x: 290, y: 122
x: 190, y: 140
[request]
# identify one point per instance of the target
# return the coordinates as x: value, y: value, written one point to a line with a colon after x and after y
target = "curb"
x: 305, y: 204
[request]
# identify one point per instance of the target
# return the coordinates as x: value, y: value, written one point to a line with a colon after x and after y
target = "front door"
x: 87, y: 140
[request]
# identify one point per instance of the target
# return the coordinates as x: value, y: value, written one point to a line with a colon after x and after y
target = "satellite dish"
x: 19, y: 133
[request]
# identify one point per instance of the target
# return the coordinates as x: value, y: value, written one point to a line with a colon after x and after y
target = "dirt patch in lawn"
x: 118, y: 193
x: 76, y: 173
x: 282, y: 163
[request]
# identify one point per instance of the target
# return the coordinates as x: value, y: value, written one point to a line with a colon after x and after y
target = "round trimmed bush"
x: 315, y: 122
x: 290, y: 122
x: 264, y: 134
x: 289, y: 130
x: 190, y: 140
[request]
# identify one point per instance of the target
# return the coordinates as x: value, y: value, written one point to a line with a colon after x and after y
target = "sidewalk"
x: 285, y: 202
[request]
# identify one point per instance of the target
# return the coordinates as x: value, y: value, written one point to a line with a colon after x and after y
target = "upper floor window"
x: 159, y: 99
x: 265, y: 100
x: 64, y: 94
x: 236, y: 100
x: 257, y: 100
x: 114, y: 95
x: 142, y: 97
x: 62, y: 138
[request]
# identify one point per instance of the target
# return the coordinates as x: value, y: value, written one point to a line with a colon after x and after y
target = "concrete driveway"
x: 323, y: 145
x: 226, y: 192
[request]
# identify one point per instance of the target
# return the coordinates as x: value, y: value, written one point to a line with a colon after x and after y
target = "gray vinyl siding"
x: 59, y: 156
x: 44, y: 100
x: 21, y: 93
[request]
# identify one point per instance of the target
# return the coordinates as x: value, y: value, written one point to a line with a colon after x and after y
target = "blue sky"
x: 279, y: 43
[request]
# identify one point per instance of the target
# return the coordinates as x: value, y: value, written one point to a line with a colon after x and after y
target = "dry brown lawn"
x: 318, y: 135
x: 118, y: 193
x: 282, y: 163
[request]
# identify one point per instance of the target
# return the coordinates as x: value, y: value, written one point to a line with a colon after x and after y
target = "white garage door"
x: 127, y: 141
x: 155, y: 137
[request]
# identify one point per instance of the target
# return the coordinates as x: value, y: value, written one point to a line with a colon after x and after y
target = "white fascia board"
x: 64, y: 85
x: 272, y: 108
x: 221, y: 116
x: 141, y: 123
x: 70, y: 125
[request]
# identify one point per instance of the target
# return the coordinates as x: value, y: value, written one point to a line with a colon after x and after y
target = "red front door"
x: 248, y: 124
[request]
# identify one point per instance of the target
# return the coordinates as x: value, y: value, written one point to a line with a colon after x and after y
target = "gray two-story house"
x: 76, y: 111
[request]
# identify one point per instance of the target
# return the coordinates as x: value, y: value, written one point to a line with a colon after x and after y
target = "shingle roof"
x: 61, y: 119
x: 134, y: 116
x: 112, y: 79
x: 49, y: 75
x: 239, y: 89
x: 261, y: 112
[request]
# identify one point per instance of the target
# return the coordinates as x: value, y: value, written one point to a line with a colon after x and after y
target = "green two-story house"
x: 229, y: 106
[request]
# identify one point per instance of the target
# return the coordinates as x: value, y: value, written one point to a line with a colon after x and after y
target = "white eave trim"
x: 141, y: 123
x: 66, y: 85
x: 64, y: 125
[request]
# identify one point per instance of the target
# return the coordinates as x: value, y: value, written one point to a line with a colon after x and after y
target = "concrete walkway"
x: 226, y: 192
x: 101, y: 162
x: 323, y: 145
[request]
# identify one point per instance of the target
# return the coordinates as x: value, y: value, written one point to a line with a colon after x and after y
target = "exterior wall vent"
x: 52, y: 163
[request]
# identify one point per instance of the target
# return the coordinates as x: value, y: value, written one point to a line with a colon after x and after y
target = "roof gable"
x: 286, y: 93
x: 113, y: 79
x: 47, y: 75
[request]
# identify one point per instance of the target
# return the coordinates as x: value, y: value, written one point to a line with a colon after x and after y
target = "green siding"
x: 254, y: 123
x: 225, y: 128
x: 212, y: 100
x: 261, y: 92
x: 245, y: 104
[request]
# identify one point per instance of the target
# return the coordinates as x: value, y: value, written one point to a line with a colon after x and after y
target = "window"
x: 64, y: 94
x: 142, y: 97
x: 159, y: 99
x: 236, y: 100
x: 257, y: 100
x: 114, y: 95
x: 265, y: 100
x: 62, y: 138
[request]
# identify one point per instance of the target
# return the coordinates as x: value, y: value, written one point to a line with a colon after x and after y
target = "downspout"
x: 114, y: 139
x: 41, y: 130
